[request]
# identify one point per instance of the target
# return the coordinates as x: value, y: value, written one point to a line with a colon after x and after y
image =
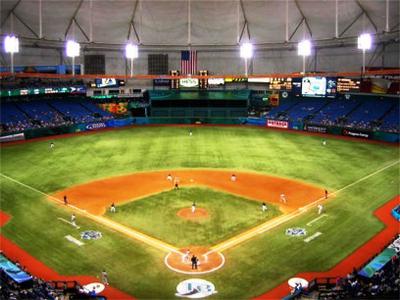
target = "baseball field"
x: 153, y: 221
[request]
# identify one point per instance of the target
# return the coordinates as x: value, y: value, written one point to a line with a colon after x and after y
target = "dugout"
x: 198, y: 105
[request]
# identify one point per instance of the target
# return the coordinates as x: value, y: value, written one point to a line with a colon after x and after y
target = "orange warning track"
x: 97, y: 196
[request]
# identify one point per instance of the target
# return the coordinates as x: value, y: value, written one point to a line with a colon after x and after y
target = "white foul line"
x: 220, y: 247
x: 277, y: 221
x: 114, y: 225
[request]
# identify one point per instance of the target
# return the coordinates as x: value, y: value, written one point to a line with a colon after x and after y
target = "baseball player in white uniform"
x: 283, y: 198
x: 193, y: 207
x: 73, y: 220
x: 264, y: 207
x: 320, y: 208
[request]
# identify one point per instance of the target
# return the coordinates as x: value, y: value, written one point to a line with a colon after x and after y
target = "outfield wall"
x: 269, y: 123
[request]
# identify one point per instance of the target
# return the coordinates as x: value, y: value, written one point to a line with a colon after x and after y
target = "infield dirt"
x: 97, y: 196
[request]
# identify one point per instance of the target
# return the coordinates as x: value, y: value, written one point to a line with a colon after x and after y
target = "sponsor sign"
x: 296, y: 231
x: 189, y: 82
x: 315, y: 128
x: 216, y: 81
x: 356, y: 133
x: 293, y: 282
x: 91, y: 235
x: 277, y: 124
x: 258, y: 79
x: 161, y: 82
x: 195, y: 288
x: 96, y: 286
x: 94, y: 126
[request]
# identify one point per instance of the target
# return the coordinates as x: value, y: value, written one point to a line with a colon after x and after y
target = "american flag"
x: 188, y: 62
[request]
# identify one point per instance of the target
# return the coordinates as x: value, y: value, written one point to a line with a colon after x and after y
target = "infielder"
x: 112, y: 208
x: 193, y: 207
x: 264, y: 207
x: 233, y: 177
x: 169, y: 177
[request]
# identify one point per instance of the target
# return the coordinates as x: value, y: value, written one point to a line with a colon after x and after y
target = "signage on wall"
x: 189, y: 82
x: 277, y: 124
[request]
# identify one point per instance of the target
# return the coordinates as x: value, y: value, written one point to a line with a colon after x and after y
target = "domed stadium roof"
x: 266, y: 23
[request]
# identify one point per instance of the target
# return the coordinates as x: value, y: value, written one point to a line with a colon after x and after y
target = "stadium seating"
x: 13, y: 119
x: 390, y: 122
x: 20, y: 116
x: 332, y: 113
x: 279, y: 112
x: 305, y: 108
x: 370, y: 110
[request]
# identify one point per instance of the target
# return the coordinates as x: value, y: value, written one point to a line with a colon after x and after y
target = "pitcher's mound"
x: 207, y: 261
x: 187, y: 214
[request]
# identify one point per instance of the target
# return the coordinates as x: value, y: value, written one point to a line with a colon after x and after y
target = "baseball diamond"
x: 221, y: 149
x: 122, y: 180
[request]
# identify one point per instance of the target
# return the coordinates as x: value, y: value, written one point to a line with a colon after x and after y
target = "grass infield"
x: 228, y: 216
x: 251, y: 268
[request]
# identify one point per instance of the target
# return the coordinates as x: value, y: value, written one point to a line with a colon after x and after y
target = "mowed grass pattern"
x: 251, y: 268
x: 228, y: 216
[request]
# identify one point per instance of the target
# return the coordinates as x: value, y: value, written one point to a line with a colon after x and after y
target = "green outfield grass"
x: 251, y: 268
x: 228, y: 216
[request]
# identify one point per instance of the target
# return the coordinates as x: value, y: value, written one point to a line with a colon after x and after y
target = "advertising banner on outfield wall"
x: 357, y: 133
x: 315, y: 128
x: 94, y: 126
x: 277, y: 124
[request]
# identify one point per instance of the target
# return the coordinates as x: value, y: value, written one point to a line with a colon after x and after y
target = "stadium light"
x: 304, y: 49
x: 72, y: 49
x: 11, y: 45
x: 131, y: 52
x: 364, y: 42
x: 246, y: 52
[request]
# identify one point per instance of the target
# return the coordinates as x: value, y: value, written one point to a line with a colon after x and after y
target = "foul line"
x: 219, y: 247
x: 282, y: 219
x: 104, y: 221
